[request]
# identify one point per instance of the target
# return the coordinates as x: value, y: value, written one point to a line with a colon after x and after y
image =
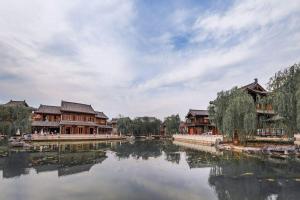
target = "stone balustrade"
x: 297, y: 139
x: 61, y: 137
x: 201, y: 139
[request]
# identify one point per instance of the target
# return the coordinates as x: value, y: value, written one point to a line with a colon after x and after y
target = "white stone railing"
x: 297, y: 139
x: 204, y: 139
x: 37, y: 137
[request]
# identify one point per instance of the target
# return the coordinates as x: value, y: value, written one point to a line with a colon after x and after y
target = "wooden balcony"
x: 199, y: 123
x: 265, y: 109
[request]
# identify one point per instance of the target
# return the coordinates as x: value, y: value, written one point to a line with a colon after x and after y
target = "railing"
x: 198, y: 123
x: 297, y: 139
x: 38, y: 137
x: 270, y: 132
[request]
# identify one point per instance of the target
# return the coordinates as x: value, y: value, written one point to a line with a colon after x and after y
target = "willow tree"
x: 13, y: 119
x: 124, y: 125
x: 217, y: 108
x: 234, y: 112
x: 172, y: 124
x: 285, y: 86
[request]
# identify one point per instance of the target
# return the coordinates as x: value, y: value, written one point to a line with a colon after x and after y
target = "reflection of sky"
x: 154, y: 178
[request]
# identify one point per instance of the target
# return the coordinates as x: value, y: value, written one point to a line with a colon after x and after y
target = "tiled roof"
x: 45, y: 124
x: 105, y: 126
x: 48, y: 109
x: 77, y: 107
x: 197, y: 112
x: 255, y: 87
x: 16, y: 103
x: 101, y: 115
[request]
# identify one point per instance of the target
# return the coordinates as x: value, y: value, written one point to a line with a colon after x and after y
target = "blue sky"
x: 139, y: 58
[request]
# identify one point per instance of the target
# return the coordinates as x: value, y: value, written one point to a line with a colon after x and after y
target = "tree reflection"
x: 148, y: 149
x: 236, y: 177
x: 139, y: 149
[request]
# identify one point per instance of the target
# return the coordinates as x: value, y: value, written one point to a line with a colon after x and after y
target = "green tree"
x: 124, y: 125
x: 140, y: 126
x: 217, y: 108
x: 172, y: 124
x: 285, y: 87
x: 13, y: 119
x: 234, y: 112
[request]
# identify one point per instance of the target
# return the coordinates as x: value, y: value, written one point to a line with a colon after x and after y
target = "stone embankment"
x: 199, y: 147
x: 217, y: 141
x: 267, y: 149
x: 209, y: 140
x: 297, y: 139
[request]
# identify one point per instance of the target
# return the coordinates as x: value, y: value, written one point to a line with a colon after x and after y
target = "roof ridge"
x: 76, y: 103
x: 49, y: 105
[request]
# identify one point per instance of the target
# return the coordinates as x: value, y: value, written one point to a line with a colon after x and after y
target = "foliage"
x: 140, y: 126
x: 285, y: 87
x: 13, y: 118
x: 124, y: 125
x: 172, y: 124
x: 234, y: 111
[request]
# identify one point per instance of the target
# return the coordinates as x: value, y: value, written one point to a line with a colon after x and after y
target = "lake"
x: 143, y: 170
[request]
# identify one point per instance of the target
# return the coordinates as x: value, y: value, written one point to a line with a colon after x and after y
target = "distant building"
x: 197, y: 122
x: 183, y: 129
x: 113, y: 124
x: 13, y: 103
x: 70, y: 118
x: 163, y: 129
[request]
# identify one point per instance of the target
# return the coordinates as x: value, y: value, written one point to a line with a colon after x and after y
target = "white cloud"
x: 101, y: 63
x: 246, y: 15
x: 93, y: 52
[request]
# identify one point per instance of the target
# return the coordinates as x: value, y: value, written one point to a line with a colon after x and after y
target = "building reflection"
x: 232, y: 176
x: 77, y: 157
x: 65, y: 158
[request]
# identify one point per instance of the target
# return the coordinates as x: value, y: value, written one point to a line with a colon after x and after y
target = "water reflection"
x: 64, y: 158
x: 146, y: 170
x: 237, y: 177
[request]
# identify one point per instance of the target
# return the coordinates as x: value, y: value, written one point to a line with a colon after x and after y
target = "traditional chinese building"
x: 266, y: 116
x: 70, y: 118
x: 13, y: 103
x: 197, y: 122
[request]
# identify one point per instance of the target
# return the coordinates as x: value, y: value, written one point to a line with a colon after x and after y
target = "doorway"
x: 68, y: 130
x: 91, y: 130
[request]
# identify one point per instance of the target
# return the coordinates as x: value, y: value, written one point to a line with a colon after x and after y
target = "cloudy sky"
x: 140, y: 58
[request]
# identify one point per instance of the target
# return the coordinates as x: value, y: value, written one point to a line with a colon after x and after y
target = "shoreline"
x: 271, y: 148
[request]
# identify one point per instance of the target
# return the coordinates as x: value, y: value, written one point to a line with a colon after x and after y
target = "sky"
x: 142, y: 57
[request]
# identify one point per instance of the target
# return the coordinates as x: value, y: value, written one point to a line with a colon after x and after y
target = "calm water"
x: 143, y: 170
